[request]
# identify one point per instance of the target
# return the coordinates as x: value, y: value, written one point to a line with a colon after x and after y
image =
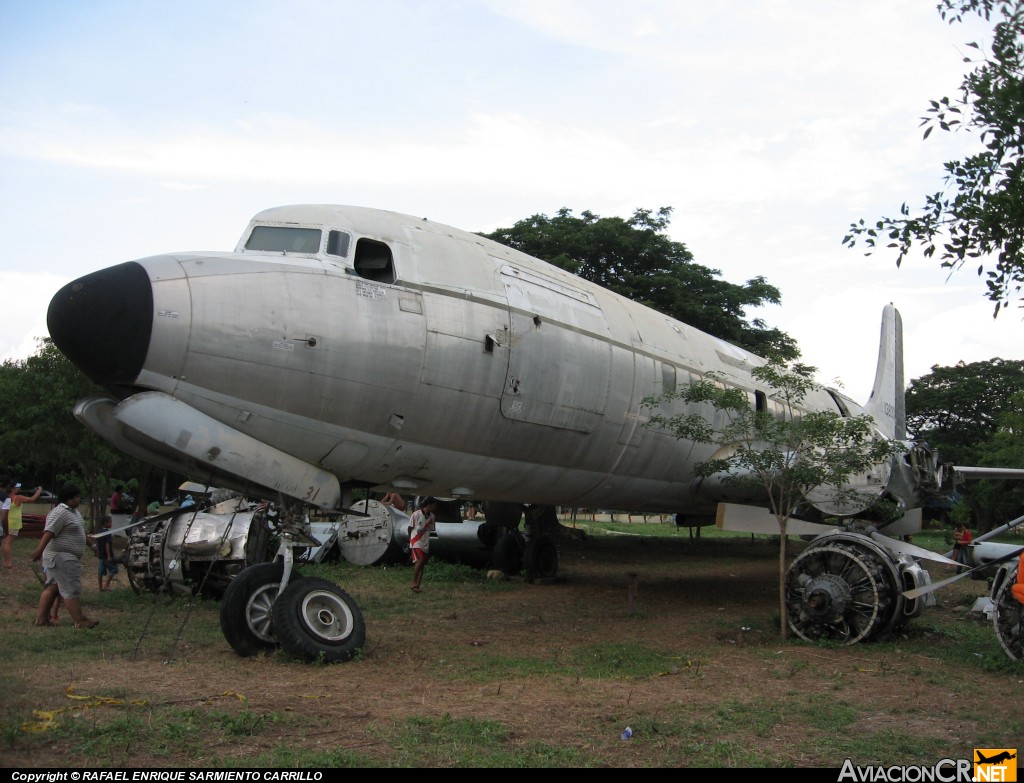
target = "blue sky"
x: 134, y: 128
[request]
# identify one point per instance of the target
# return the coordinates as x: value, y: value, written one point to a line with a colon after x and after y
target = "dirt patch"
x: 691, y: 659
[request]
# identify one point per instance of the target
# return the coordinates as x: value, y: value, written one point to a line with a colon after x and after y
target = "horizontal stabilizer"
x: 752, y: 519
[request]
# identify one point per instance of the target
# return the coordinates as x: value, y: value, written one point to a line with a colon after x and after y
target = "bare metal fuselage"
x: 454, y: 366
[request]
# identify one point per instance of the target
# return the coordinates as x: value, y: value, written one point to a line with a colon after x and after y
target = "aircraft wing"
x: 967, y: 471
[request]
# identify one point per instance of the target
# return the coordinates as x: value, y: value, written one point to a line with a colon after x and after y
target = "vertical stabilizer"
x: 887, y: 403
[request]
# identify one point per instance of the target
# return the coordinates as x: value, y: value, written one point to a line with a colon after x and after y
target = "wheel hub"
x: 325, y: 617
x: 826, y: 596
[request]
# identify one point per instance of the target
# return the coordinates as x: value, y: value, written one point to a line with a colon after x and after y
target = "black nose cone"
x: 102, y: 323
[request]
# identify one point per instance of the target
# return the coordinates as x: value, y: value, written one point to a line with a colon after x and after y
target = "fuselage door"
x: 559, y: 357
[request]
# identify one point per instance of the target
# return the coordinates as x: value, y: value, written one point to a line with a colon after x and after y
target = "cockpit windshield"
x: 284, y: 239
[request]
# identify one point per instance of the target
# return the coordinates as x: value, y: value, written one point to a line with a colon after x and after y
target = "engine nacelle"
x: 847, y: 587
x: 191, y: 550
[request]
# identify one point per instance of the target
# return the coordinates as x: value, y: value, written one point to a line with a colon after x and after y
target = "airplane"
x: 1004, y: 756
x: 342, y: 348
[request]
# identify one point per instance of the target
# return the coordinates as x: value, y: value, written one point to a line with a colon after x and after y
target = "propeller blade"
x: 917, y: 592
x: 753, y: 519
x: 155, y: 518
x: 906, y: 548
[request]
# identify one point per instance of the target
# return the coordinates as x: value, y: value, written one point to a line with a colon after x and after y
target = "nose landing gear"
x: 271, y: 604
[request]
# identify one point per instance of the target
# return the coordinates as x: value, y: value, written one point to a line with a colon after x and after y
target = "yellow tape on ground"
x: 48, y: 719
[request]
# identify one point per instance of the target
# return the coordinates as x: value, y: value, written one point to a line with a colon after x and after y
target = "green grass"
x: 157, y: 732
x: 805, y: 700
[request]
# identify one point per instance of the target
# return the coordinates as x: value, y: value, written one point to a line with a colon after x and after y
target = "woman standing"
x: 14, y: 522
x: 962, y: 545
x: 61, y: 549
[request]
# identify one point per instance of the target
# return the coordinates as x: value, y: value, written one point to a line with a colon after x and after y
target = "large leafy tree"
x: 39, y: 433
x: 635, y: 258
x: 978, y: 216
x: 972, y: 413
x: 785, y: 458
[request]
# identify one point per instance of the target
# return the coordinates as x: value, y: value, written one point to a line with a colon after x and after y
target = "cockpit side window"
x: 373, y: 261
x: 337, y: 243
x: 284, y: 239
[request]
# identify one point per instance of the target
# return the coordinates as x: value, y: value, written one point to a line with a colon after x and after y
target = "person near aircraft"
x: 5, y: 505
x: 55, y: 606
x: 14, y: 523
x: 962, y: 539
x: 105, y: 551
x: 394, y: 500
x: 117, y: 501
x: 60, y: 549
x: 420, y: 524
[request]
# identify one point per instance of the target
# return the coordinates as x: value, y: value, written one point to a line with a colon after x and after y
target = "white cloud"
x: 768, y: 125
x: 26, y: 296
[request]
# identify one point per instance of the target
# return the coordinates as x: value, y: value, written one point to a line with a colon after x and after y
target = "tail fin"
x: 887, y: 403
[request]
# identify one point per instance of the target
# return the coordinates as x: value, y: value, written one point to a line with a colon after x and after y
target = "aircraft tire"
x: 1009, y: 618
x: 246, y: 618
x: 507, y: 555
x: 318, y: 621
x: 541, y: 558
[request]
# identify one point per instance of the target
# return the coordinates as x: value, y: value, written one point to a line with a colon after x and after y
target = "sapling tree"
x: 785, y: 453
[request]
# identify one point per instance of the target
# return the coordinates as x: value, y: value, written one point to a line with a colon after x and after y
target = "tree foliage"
x: 39, y: 434
x: 973, y: 414
x: 784, y: 458
x: 979, y: 214
x: 636, y: 259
